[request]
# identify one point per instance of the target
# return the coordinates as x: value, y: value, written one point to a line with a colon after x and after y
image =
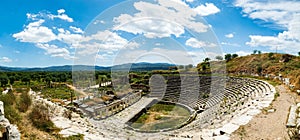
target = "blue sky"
x: 36, y: 33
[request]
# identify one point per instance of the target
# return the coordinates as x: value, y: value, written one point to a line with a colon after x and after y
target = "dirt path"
x: 77, y: 90
x: 269, y: 126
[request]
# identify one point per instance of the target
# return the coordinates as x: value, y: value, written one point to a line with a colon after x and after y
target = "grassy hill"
x: 268, y: 63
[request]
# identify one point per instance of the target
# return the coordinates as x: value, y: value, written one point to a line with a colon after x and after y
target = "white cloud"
x: 31, y: 16
x: 61, y: 15
x: 61, y: 30
x: 192, y: 54
x: 69, y: 38
x: 76, y: 30
x: 285, y: 14
x: 242, y: 53
x: 279, y: 12
x: 275, y: 43
x: 35, y: 33
x: 5, y: 59
x: 103, y: 41
x: 44, y: 38
x: 230, y: 44
x: 158, y: 55
x: 61, y: 11
x: 160, y: 20
x: 55, y: 51
x: 194, y: 43
x: 132, y: 45
x: 99, y: 21
x: 17, y: 52
x: 229, y: 35
x: 207, y: 9
x: 158, y: 44
x: 189, y: 0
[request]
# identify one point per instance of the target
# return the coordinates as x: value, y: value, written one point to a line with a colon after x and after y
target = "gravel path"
x: 269, y: 126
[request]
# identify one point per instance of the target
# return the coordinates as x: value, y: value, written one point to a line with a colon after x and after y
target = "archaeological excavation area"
x: 177, y: 108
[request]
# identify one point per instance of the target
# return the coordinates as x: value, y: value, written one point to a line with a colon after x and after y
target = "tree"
x: 258, y: 52
x: 299, y: 53
x: 48, y: 81
x: 234, y: 56
x: 259, y: 70
x: 62, y: 77
x: 219, y: 57
x: 228, y: 57
x: 203, y: 67
x: 255, y: 51
x: 180, y: 67
x: 12, y: 79
x: 26, y: 79
x: 173, y: 68
x: 270, y: 55
x: 3, y: 80
x: 206, y: 59
x: 190, y: 66
x: 286, y: 58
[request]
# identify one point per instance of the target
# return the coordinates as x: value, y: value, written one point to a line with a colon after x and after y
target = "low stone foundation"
x: 8, y: 131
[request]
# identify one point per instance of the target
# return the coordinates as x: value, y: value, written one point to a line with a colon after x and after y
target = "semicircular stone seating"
x: 214, y: 95
x: 215, y: 100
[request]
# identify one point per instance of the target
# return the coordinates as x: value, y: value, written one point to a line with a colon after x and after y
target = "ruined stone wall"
x: 11, y: 131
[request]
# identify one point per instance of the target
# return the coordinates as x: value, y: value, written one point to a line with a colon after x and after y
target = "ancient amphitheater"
x: 218, y: 106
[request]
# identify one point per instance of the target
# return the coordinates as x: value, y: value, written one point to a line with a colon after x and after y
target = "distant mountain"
x: 143, y: 66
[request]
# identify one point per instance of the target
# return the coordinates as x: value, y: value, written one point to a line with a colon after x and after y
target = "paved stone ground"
x: 269, y: 126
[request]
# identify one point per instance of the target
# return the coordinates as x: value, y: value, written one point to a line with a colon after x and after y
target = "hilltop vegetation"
x: 271, y: 64
x: 268, y: 64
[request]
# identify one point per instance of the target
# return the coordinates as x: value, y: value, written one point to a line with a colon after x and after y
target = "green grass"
x: 61, y: 92
x: 166, y: 116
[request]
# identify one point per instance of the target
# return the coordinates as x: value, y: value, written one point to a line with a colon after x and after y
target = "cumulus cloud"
x: 207, y: 9
x: 76, y: 30
x: 285, y: 13
x: 229, y: 35
x: 32, y: 16
x: 61, y: 15
x: 61, y: 11
x: 243, y: 53
x: 5, y: 59
x: 45, y: 38
x: 55, y: 51
x: 189, y: 0
x: 103, y: 41
x: 69, y: 38
x: 230, y: 44
x: 194, y: 43
x: 52, y: 39
x: 35, y: 33
x: 158, y: 55
x: 162, y: 19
